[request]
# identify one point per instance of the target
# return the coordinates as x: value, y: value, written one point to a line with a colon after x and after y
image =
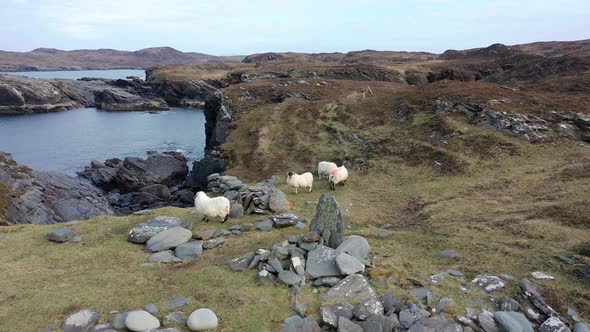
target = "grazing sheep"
x: 300, y: 181
x: 212, y: 207
x: 324, y: 168
x: 338, y: 176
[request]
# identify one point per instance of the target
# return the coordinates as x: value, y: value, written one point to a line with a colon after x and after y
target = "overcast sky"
x: 250, y: 26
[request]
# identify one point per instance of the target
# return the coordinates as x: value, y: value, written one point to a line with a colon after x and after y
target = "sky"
x: 252, y: 26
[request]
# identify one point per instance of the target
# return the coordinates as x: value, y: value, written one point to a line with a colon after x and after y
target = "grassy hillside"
x: 504, y: 205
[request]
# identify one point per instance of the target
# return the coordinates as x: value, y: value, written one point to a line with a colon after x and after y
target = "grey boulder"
x: 82, y: 321
x: 348, y: 264
x: 289, y: 278
x: 511, y: 321
x: 298, y: 324
x: 240, y: 264
x: 356, y: 246
x: 62, y: 234
x: 189, y: 250
x: 346, y: 325
x: 165, y: 256
x: 321, y: 262
x: 352, y: 289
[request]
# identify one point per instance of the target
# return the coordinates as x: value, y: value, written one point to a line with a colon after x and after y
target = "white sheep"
x: 212, y: 207
x: 338, y: 176
x: 300, y: 181
x: 324, y: 168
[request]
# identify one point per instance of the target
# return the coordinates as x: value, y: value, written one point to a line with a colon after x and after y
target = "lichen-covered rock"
x: 328, y: 221
x: 353, y: 289
x: 321, y: 262
x: 63, y: 234
x: 82, y: 321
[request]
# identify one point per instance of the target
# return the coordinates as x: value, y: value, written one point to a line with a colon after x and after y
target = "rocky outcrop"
x: 135, y: 184
x: 20, y: 94
x: 185, y: 93
x: 47, y: 197
x: 528, y: 128
x: 27, y: 95
x: 133, y: 173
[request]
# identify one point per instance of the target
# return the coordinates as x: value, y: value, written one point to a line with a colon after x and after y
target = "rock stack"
x: 255, y: 199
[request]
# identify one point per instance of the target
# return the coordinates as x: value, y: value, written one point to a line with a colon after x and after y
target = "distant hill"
x: 53, y: 59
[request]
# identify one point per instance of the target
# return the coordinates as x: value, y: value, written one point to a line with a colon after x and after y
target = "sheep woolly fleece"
x: 211, y: 207
x: 324, y: 168
x: 338, y: 175
x: 304, y: 180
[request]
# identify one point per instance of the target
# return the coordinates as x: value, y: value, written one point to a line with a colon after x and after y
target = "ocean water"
x: 77, y: 74
x: 68, y: 141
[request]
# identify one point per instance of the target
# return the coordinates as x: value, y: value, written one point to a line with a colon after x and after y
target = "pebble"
x: 202, y: 319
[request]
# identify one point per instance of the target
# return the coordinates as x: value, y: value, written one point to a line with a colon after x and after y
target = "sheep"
x: 296, y: 181
x: 338, y: 176
x: 324, y: 168
x: 212, y: 207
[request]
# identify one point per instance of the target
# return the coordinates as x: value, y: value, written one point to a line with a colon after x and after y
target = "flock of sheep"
x: 218, y: 207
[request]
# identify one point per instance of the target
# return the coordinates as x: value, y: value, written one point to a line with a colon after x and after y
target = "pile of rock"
x: 301, y: 260
x: 168, y: 239
x: 141, y: 320
x: 247, y: 199
x: 135, y: 184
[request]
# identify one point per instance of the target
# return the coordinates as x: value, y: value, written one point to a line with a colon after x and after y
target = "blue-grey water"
x: 68, y: 141
x: 77, y: 74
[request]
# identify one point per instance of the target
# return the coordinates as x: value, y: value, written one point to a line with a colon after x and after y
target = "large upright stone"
x: 328, y: 221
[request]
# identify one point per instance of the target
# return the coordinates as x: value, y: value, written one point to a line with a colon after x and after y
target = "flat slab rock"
x: 141, y: 233
x: 168, y: 239
x: 165, y: 256
x: 488, y: 283
x: 321, y: 262
x: 353, y: 289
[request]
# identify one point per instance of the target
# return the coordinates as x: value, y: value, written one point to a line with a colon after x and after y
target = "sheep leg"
x: 204, y: 218
x: 225, y: 218
x: 295, y: 190
x: 309, y: 188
